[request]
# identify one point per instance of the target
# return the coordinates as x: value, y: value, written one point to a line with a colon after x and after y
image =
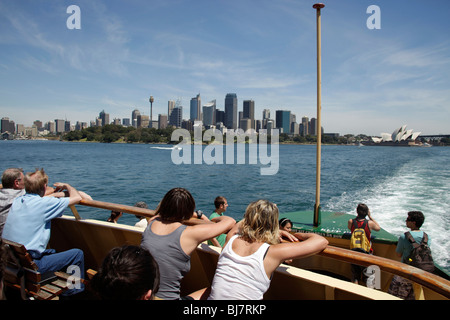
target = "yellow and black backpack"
x: 358, y: 240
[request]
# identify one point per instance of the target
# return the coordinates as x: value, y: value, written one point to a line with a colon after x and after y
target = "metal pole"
x: 317, y: 219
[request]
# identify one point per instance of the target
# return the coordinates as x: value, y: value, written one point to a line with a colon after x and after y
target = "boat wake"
x: 167, y: 148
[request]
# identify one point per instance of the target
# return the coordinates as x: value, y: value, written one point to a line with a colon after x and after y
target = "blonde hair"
x: 36, y: 181
x: 260, y: 222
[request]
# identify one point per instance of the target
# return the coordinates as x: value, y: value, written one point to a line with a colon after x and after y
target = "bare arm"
x: 232, y: 232
x: 349, y: 224
x: 194, y: 235
x: 373, y: 224
x: 309, y: 244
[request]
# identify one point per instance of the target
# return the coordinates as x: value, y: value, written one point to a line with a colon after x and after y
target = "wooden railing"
x: 418, y: 276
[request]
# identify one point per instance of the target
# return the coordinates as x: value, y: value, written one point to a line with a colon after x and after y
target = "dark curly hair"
x: 417, y: 217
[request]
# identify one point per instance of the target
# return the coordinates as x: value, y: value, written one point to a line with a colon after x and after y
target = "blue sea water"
x: 391, y: 181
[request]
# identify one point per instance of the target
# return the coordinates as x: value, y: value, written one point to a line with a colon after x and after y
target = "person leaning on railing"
x: 171, y: 242
x: 29, y: 221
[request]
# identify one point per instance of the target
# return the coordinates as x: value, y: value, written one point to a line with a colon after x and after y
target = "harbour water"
x: 391, y: 181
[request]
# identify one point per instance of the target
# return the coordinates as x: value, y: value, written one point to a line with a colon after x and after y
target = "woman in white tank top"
x: 253, y: 251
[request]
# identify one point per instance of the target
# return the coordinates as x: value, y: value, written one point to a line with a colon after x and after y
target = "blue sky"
x: 373, y: 81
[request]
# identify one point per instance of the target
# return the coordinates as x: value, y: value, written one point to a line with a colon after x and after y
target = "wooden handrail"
x: 148, y: 213
x: 419, y: 276
x: 118, y: 207
x: 426, y: 279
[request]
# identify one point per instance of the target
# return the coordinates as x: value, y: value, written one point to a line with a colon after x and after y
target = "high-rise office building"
x: 245, y: 124
x: 38, y: 124
x: 305, y: 126
x: 313, y: 127
x: 126, y: 122
x: 176, y: 117
x: 231, y: 113
x: 134, y: 116
x: 209, y: 113
x: 143, y: 121
x: 60, y: 125
x: 170, y: 106
x: 265, y: 118
x: 220, y: 116
x: 8, y: 125
x: 283, y: 120
x: 104, y: 117
x: 162, y: 121
x: 195, y: 110
x: 51, y: 127
x: 67, y: 126
x: 249, y: 112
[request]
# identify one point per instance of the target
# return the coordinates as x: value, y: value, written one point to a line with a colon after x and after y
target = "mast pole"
x: 317, y: 219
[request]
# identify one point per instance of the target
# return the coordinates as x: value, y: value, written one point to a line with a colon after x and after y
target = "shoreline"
x: 207, y: 144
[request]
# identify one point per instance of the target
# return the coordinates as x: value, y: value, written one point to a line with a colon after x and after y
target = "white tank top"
x: 240, y: 278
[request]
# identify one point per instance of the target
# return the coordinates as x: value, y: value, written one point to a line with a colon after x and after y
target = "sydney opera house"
x: 400, y: 137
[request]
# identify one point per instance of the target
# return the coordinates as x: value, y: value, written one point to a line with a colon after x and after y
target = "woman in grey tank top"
x: 171, y: 242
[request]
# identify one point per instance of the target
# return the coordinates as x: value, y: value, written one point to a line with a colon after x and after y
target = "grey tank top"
x: 172, y: 261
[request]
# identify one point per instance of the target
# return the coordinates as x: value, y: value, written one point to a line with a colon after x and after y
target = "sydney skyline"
x: 373, y: 80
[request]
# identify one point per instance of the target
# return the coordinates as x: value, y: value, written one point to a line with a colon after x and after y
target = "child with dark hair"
x: 127, y: 273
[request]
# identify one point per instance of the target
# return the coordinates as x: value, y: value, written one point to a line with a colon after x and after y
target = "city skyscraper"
x: 209, y: 113
x: 249, y: 112
x: 176, y: 117
x: 60, y: 125
x: 231, y: 114
x: 195, y: 110
x: 283, y: 120
x: 220, y: 116
x: 162, y: 121
x: 170, y: 106
x: 134, y: 116
x: 265, y: 118
x: 305, y: 126
x: 312, y: 127
x: 8, y: 125
x: 143, y: 121
x: 104, y: 117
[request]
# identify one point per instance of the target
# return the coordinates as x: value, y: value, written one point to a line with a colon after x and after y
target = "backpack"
x: 420, y: 256
x: 358, y: 240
